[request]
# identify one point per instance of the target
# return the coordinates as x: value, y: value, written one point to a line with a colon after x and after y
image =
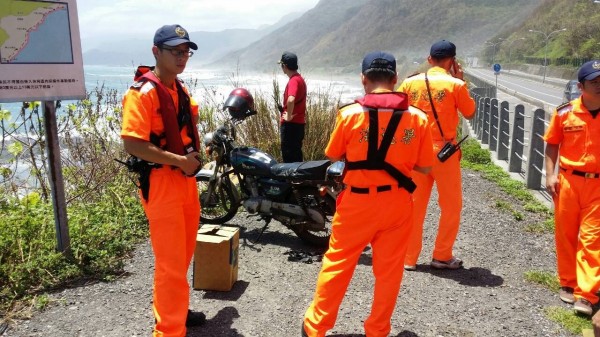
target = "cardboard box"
x: 216, y: 258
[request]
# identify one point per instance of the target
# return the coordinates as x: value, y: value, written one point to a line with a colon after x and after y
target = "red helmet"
x: 240, y: 103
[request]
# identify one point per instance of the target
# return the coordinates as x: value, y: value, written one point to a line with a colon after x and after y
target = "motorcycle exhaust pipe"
x: 259, y: 205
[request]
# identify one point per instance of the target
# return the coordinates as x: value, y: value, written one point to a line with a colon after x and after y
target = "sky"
x: 118, y: 19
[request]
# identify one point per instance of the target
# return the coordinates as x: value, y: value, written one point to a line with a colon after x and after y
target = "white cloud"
x: 102, y: 19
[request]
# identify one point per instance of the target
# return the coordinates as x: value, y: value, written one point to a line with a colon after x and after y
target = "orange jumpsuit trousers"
x: 382, y: 219
x: 448, y: 180
x: 577, y: 234
x: 173, y: 211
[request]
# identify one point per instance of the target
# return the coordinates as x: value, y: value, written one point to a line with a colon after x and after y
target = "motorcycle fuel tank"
x: 250, y: 160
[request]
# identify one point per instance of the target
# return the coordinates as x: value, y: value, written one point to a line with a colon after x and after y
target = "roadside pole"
x: 497, y: 68
x: 57, y: 187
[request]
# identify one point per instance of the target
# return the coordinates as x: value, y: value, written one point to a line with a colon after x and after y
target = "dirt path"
x: 488, y: 298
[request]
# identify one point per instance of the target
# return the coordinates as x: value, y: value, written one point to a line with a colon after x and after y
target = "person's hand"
x: 552, y: 184
x: 456, y: 70
x: 596, y: 324
x: 191, y: 163
x: 287, y: 116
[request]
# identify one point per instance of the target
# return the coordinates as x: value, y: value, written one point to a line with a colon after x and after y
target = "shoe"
x: 409, y: 267
x: 583, y: 306
x: 195, y: 318
x: 303, y: 332
x: 453, y: 263
x: 566, y: 295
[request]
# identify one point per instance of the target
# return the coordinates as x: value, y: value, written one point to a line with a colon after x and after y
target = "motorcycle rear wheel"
x: 319, y: 238
x: 220, y: 206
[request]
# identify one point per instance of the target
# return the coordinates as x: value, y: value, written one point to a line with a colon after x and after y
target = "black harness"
x: 376, y: 156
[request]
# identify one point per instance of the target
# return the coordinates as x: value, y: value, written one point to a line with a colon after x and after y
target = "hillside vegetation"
x: 579, y: 43
x: 336, y: 34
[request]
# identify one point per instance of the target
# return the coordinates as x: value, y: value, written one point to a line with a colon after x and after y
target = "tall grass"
x: 262, y: 130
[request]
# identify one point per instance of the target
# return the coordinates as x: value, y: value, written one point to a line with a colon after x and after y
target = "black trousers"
x: 292, y: 135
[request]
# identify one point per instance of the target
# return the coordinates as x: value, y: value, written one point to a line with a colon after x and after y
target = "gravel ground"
x: 489, y: 297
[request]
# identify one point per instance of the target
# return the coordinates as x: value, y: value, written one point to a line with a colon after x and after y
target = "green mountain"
x: 568, y: 49
x: 335, y: 35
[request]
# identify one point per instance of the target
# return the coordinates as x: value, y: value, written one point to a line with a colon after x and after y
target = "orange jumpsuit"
x: 577, y: 203
x: 172, y: 209
x: 367, y: 218
x: 450, y: 96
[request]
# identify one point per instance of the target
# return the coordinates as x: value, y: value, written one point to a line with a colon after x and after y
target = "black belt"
x: 365, y: 190
x: 581, y: 173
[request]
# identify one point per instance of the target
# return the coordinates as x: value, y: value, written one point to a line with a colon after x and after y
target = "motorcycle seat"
x: 307, y: 170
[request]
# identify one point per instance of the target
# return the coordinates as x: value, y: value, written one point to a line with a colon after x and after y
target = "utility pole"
x: 546, y: 39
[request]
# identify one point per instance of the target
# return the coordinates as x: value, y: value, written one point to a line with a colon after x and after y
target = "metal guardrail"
x: 492, y: 127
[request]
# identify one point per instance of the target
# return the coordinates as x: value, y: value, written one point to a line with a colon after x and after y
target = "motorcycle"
x: 302, y: 196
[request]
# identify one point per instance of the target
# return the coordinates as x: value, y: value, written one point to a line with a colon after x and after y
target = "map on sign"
x: 35, y: 32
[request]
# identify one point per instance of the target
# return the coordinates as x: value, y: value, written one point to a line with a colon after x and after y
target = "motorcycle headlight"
x: 208, y: 139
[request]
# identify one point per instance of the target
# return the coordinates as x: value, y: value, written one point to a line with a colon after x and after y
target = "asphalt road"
x: 549, y: 94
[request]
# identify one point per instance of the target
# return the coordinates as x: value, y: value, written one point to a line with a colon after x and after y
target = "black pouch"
x: 447, y: 151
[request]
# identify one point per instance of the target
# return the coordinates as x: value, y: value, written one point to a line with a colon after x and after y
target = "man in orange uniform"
x: 159, y: 126
x: 442, y: 94
x: 575, y: 188
x: 383, y: 140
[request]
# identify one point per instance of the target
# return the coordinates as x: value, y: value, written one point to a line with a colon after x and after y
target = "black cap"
x: 589, y: 71
x: 290, y: 60
x: 443, y: 49
x: 379, y: 61
x: 173, y: 35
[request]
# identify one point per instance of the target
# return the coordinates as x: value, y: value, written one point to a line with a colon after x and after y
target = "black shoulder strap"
x: 376, y: 156
x: 373, y: 134
x: 388, y: 136
x: 433, y: 107
x: 184, y: 114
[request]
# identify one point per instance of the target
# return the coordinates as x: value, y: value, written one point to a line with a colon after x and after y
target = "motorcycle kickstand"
x: 267, y: 222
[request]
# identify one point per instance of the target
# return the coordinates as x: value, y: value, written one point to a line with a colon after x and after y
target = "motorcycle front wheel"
x: 220, y: 205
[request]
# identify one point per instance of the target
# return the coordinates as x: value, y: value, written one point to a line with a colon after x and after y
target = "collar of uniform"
x: 579, y: 107
x: 380, y: 90
x: 437, y: 69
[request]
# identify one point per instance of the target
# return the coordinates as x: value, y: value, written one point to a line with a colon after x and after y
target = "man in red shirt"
x: 293, y: 112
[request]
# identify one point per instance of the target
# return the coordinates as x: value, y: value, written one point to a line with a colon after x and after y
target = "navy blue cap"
x: 442, y: 49
x: 379, y: 61
x: 173, y: 35
x: 289, y: 59
x: 589, y: 71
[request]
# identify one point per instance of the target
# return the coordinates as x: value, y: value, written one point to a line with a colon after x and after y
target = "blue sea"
x: 210, y: 85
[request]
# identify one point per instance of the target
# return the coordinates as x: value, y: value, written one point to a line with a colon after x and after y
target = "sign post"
x: 497, y: 68
x: 57, y: 187
x: 41, y: 60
